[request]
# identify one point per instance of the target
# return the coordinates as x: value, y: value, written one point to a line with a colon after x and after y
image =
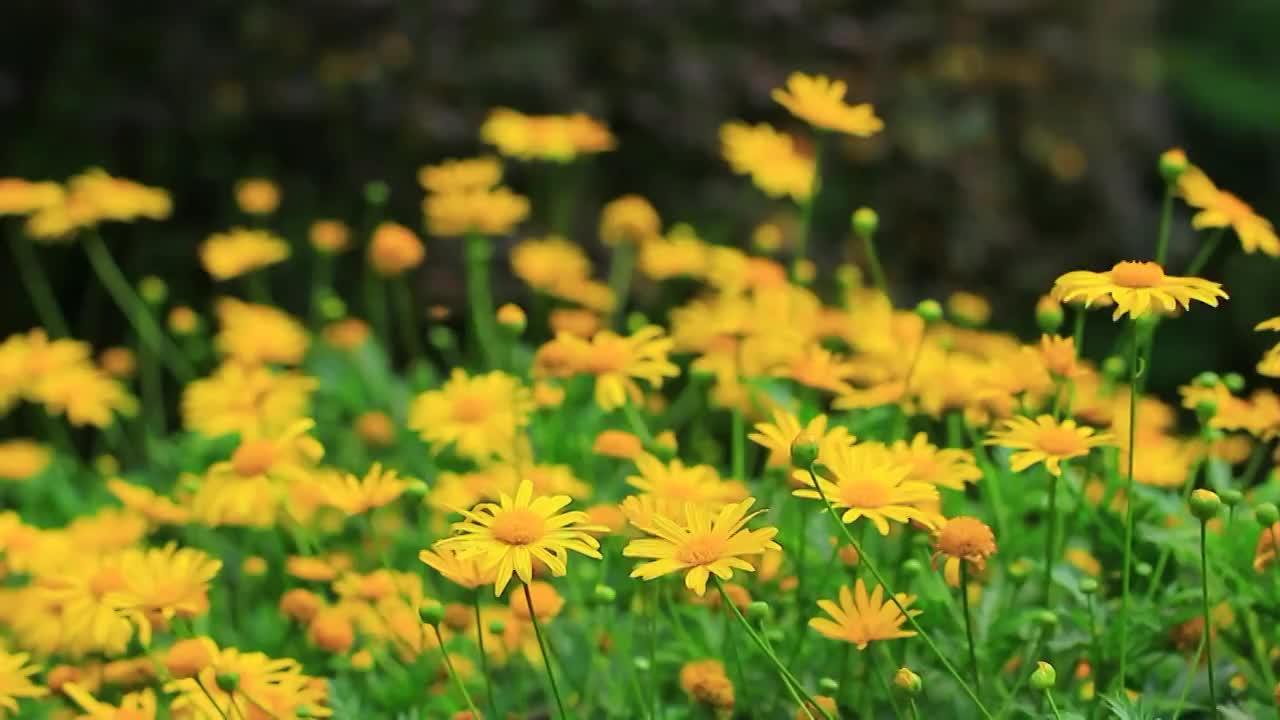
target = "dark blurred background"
x: 1021, y: 134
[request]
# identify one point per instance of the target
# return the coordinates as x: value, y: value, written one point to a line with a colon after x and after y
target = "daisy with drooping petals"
x: 264, y: 687
x: 465, y: 573
x: 140, y: 705
x: 355, y: 495
x: 479, y: 415
x: 1221, y: 209
x: 862, y: 619
x: 865, y: 481
x: 778, y: 436
x: 617, y: 361
x: 819, y: 101
x: 965, y: 539
x: 704, y: 544
x: 1137, y: 288
x: 508, y: 535
x: 161, y: 584
x: 1045, y: 440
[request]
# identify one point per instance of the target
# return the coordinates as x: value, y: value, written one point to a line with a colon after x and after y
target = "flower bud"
x: 636, y: 321
x: 912, y: 567
x: 929, y: 310
x: 376, y: 192
x: 1143, y: 569
x: 1173, y: 162
x: 828, y: 685
x: 1204, y: 504
x: 641, y: 663
x: 1267, y: 513
x: 512, y: 318
x: 1044, y: 617
x: 848, y: 276
x: 1044, y: 677
x: 1114, y: 367
x: 153, y: 290
x: 1206, y: 408
x: 431, y: 614
x: 604, y: 594
x: 1049, y: 315
x: 332, y: 307
x: 441, y: 338
x: 1231, y: 497
x: 907, y: 681
x: 228, y: 682
x: 804, y: 451
x: 1234, y: 382
x: 759, y: 610
x: 865, y: 222
x: 1088, y: 586
x: 497, y: 627
x: 1208, y: 379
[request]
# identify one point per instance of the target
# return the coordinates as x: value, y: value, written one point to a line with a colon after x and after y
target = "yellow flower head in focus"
x: 484, y: 212
x: 1045, y: 440
x: 819, y: 101
x: 257, y: 196
x: 700, y: 544
x: 629, y: 219
x: 460, y: 176
x: 1137, y: 288
x: 862, y: 619
x: 394, y: 249
x: 240, y: 251
x: 23, y: 197
x: 770, y: 158
x: 259, y: 334
x: 509, y: 535
x: 554, y: 138
x: 943, y: 467
x: 1220, y: 209
x: 479, y: 415
x: 780, y: 434
x: 864, y: 480
x: 22, y: 459
x: 963, y: 539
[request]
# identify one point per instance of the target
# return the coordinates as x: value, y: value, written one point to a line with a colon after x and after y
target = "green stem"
x: 209, y: 695
x: 1206, y: 252
x: 1130, y: 502
x: 484, y: 659
x: 257, y: 287
x: 409, y: 334
x: 637, y: 423
x: 873, y: 262
x: 448, y: 663
x: 990, y: 482
x: 864, y: 560
x: 653, y: 651
x: 1050, y: 539
x: 1166, y: 210
x: 791, y: 690
x: 761, y: 643
x: 1078, y: 332
x: 1186, y: 687
x: 38, y: 287
x: 968, y: 626
x: 546, y: 658
x: 739, y: 441
x: 621, y: 268
x: 321, y: 281
x: 884, y: 683
x: 132, y: 306
x: 1048, y: 694
x: 1166, y: 552
x: 1208, y: 621
x: 480, y: 297
x: 809, y: 205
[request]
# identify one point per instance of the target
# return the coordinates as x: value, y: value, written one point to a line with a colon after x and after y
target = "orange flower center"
x: 253, y: 458
x: 519, y: 527
x: 471, y: 409
x: 865, y: 494
x: 607, y: 357
x: 701, y: 550
x: 1060, y: 441
x: 1137, y: 274
x: 106, y: 581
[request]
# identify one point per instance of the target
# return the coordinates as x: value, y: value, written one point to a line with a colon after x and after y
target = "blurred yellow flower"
x: 161, y: 584
x: 770, y: 158
x: 263, y: 687
x: 257, y: 196
x: 544, y: 264
x: 461, y: 176
x: 478, y: 415
x: 252, y: 401
x: 355, y: 495
x: 93, y: 197
x: 259, y: 334
x: 555, y: 138
x: 394, y: 249
x: 23, y: 197
x: 485, y: 212
x: 329, y: 236
x: 15, y: 681
x: 1221, y: 209
x: 629, y: 219
x: 240, y: 251
x: 616, y: 361
x: 1045, y: 440
x: 819, y: 101
x: 23, y: 459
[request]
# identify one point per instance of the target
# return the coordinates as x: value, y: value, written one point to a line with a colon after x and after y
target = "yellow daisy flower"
x: 617, y: 361
x: 770, y: 158
x: 395, y: 249
x: 22, y: 459
x: 819, y: 101
x: 865, y: 481
x: 1220, y: 209
x: 251, y: 401
x: 478, y: 173
x: 965, y: 539
x: 862, y: 619
x: 487, y: 212
x: 257, y: 196
x: 703, y: 545
x: 1137, y: 288
x: 505, y: 537
x: 15, y: 680
x: 944, y: 467
x: 544, y: 264
x: 675, y: 481
x: 139, y: 705
x: 161, y: 584
x: 264, y: 687
x: 23, y: 197
x: 480, y: 415
x: 629, y: 219
x: 465, y: 573
x: 240, y: 251
x: 778, y: 436
x: 1045, y: 440
x: 259, y: 334
x: 355, y: 495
